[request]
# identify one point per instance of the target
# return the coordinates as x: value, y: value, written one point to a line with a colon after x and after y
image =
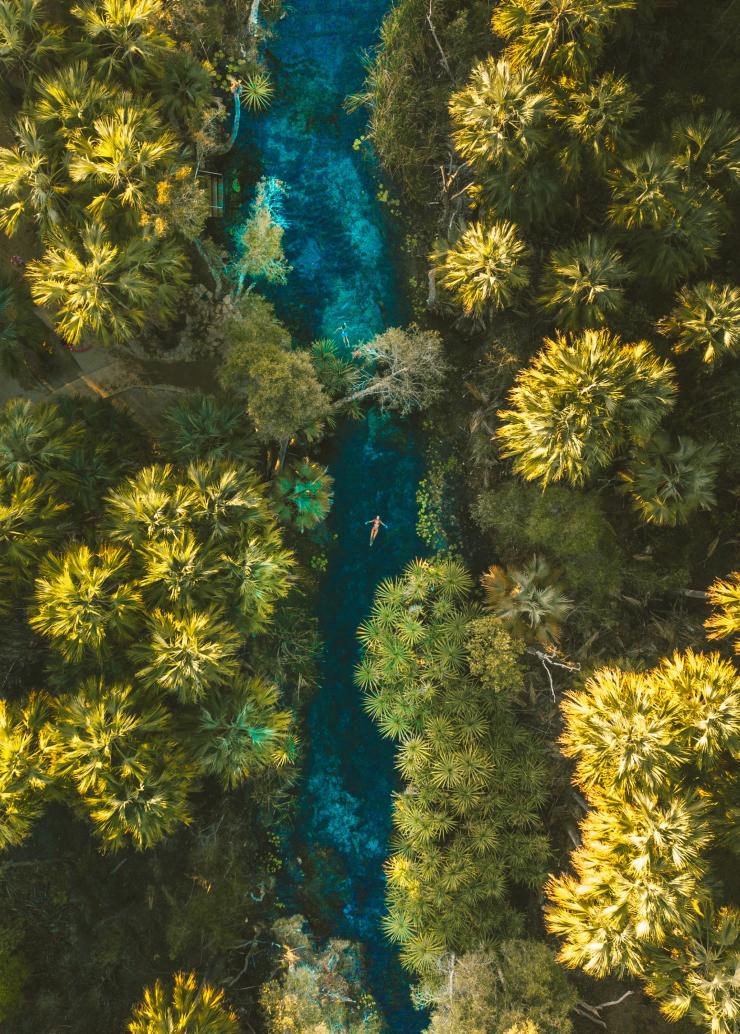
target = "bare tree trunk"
x: 432, y: 293
x: 445, y: 62
x: 254, y: 17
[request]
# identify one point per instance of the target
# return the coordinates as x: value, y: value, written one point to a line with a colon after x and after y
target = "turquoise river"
x: 345, y: 283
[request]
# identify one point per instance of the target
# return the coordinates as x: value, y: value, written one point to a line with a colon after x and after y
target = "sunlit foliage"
x: 581, y: 401
x: 651, y: 751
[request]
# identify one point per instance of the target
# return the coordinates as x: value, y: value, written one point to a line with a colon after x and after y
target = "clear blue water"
x: 344, y: 252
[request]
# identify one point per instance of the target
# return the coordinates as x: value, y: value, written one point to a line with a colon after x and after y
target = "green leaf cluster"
x: 656, y: 757
x: 439, y: 680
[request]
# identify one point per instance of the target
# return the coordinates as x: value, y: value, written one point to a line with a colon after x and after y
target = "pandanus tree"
x: 188, y: 1007
x: 24, y: 768
x: 84, y: 602
x: 724, y: 596
x: 152, y: 506
x: 302, y: 494
x: 670, y: 481
x: 108, y: 290
x: 645, y: 191
x: 674, y: 229
x: 179, y: 572
x: 582, y: 400
x: 597, y: 117
x: 454, y: 731
x: 583, y: 284
x: 528, y: 600
x: 118, y: 750
x: 500, y: 116
x: 486, y: 267
x: 651, y: 750
x: 705, y: 320
x: 260, y: 572
x: 141, y: 805
x: 561, y: 37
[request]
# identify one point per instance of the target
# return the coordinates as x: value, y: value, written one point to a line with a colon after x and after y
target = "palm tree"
x: 597, y: 117
x: 125, y: 37
x: 122, y: 154
x: 303, y: 494
x: 698, y: 978
x: 184, y: 89
x: 669, y: 481
x: 649, y: 749
x: 684, y: 244
x: 228, y: 499
x: 33, y: 182
x: 179, y: 573
x: 500, y: 116
x: 240, y: 730
x: 724, y: 594
x: 203, y: 427
x: 70, y: 100
x: 141, y: 803
x: 153, y: 506
x: 486, y: 267
x: 26, y: 40
x: 109, y: 290
x: 646, y: 191
x: 528, y: 600
x: 31, y: 521
x: 532, y: 196
x: 261, y: 572
x: 100, y: 731
x: 561, y: 37
x: 24, y: 772
x: 707, y: 148
x: 188, y: 655
x: 583, y: 284
x: 35, y: 440
x: 706, y: 319
x: 83, y: 601
x: 581, y: 400
x: 189, y: 1008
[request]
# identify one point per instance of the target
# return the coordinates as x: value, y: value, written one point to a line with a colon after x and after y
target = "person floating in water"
x: 345, y: 337
x: 377, y: 524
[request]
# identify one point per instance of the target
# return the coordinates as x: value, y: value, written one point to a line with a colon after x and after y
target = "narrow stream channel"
x: 344, y: 251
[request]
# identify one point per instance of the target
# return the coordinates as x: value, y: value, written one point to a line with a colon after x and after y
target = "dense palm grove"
x: 558, y: 676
